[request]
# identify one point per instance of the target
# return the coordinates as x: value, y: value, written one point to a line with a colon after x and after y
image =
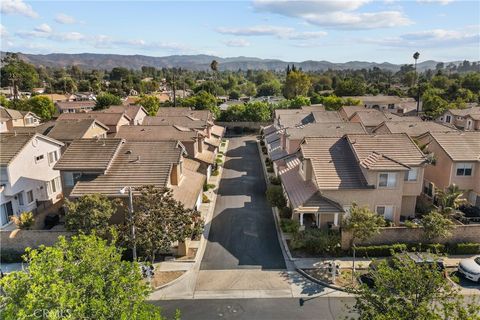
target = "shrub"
x: 317, y: 241
x: 286, y: 213
x: 268, y: 161
x: 207, y: 186
x: 215, y: 173
x: 275, y: 180
x: 379, y: 251
x: 423, y: 206
x: 275, y: 197
x: 24, y: 221
x: 205, y: 198
x: 464, y: 248
x: 289, y: 226
x: 410, y: 224
x: 262, y: 143
x: 264, y: 150
x: 270, y: 168
x: 219, y: 161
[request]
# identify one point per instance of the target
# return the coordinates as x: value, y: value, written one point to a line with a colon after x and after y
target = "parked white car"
x: 470, y: 268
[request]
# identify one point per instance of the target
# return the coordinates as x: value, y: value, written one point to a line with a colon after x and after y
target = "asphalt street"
x: 320, y: 308
x: 242, y: 234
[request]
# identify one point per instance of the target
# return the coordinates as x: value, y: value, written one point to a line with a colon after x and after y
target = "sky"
x: 333, y: 30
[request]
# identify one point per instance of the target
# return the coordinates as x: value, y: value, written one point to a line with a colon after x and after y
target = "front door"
x: 6, y: 213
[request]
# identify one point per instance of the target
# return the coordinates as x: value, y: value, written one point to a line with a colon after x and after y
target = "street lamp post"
x: 416, y: 55
x: 130, y: 211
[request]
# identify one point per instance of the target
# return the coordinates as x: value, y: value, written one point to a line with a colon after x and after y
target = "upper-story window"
x: 448, y: 119
x: 387, y: 180
x: 39, y: 158
x: 411, y: 175
x: 3, y: 174
x: 464, y: 169
x: 52, y: 157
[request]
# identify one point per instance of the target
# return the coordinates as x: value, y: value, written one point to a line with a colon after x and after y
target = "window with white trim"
x: 30, y: 196
x: 39, y: 158
x: 20, y: 199
x: 386, y: 211
x: 387, y: 180
x: 52, y: 157
x: 464, y: 169
x: 411, y: 175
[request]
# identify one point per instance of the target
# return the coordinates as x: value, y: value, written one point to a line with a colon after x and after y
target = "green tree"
x: 257, y: 111
x: 450, y: 199
x: 299, y: 101
x: 150, y: 103
x: 106, y: 99
x: 42, y: 106
x: 201, y: 101
x: 271, y: 88
x: 433, y: 104
x: 159, y: 221
x: 275, y: 195
x: 362, y: 223
x: 351, y: 87
x: 17, y: 73
x: 234, y: 95
x: 405, y: 290
x: 233, y: 113
x: 297, y: 84
x: 81, y: 278
x: 471, y: 81
x: 89, y: 213
x: 436, y: 226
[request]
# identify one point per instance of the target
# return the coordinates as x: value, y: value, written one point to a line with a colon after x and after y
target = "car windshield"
x: 477, y: 260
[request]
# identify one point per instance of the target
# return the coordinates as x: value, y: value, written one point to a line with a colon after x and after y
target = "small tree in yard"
x: 450, y: 199
x: 405, y: 290
x: 88, y: 213
x: 436, y: 226
x: 24, y: 221
x: 275, y: 196
x: 362, y: 223
x: 159, y: 221
x: 81, y: 278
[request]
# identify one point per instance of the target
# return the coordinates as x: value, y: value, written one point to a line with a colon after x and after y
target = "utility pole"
x: 130, y: 210
x: 416, y: 55
x: 174, y: 90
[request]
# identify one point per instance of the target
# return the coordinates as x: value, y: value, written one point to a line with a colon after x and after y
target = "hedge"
x: 385, y: 250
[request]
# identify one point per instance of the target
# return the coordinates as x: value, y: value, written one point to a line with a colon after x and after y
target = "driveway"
x: 242, y: 234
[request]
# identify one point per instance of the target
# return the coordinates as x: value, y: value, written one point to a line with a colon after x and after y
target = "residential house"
x: 412, y: 128
x: 135, y: 112
x: 69, y: 130
x: 55, y: 97
x: 75, y: 106
x: 28, y: 179
x: 114, y: 121
x: 106, y: 166
x: 379, y: 102
x: 192, y: 141
x: 371, y: 118
x: 11, y: 119
x: 464, y: 119
x: 456, y: 160
x: 346, y: 112
x: 328, y: 174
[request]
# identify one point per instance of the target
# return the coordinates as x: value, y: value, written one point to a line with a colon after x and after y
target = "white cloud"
x: 3, y: 31
x: 17, y: 7
x: 266, y: 30
x: 432, y: 38
x: 43, y: 28
x: 63, y: 18
x: 334, y: 14
x: 441, y: 2
x: 237, y: 43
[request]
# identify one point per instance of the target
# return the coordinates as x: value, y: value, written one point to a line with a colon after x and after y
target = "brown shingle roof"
x: 13, y: 143
x: 414, y: 128
x: 67, y: 130
x: 137, y: 163
x: 350, y: 110
x: 217, y: 130
x: 460, y: 146
x: 109, y: 119
x: 65, y: 105
x: 155, y: 133
x: 333, y: 162
x: 89, y: 154
x: 326, y: 116
x: 465, y: 112
x: 184, y: 121
x: 130, y: 110
x: 204, y: 115
x: 189, y: 188
x: 338, y: 129
x: 386, y: 152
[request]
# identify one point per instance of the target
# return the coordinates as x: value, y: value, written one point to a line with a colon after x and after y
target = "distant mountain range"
x: 198, y: 62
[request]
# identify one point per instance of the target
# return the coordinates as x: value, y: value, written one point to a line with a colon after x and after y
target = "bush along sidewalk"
x: 388, y: 250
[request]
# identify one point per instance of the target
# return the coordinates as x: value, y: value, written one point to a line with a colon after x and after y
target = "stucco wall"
x: 464, y: 233
x: 18, y: 240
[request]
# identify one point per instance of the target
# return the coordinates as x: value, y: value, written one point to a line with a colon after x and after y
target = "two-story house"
x: 412, y: 128
x: 135, y: 112
x: 114, y: 121
x: 464, y: 119
x: 456, y: 160
x: 106, y: 166
x: 11, y: 119
x: 28, y: 178
x: 328, y: 174
x: 75, y: 106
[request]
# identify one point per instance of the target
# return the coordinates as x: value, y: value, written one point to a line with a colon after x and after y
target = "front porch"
x: 317, y: 219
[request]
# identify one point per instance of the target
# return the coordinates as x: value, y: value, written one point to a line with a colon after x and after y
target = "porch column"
x: 335, y: 219
x: 301, y: 219
x: 319, y: 219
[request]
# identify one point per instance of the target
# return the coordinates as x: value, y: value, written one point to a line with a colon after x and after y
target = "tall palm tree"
x: 450, y: 200
x: 416, y: 55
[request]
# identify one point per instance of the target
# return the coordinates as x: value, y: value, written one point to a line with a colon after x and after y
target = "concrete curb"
x: 315, y: 280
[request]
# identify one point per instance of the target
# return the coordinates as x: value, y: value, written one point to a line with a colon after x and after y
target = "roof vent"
x: 143, y: 129
x: 128, y: 152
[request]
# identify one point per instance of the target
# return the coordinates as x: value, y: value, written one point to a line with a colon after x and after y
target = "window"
x: 386, y: 211
x: 30, y: 196
x: 448, y: 119
x: 20, y: 198
x: 52, y: 157
x: 387, y: 180
x: 391, y: 106
x: 411, y: 175
x: 3, y: 174
x: 464, y: 169
x: 53, y: 185
x: 39, y: 158
x: 6, y: 211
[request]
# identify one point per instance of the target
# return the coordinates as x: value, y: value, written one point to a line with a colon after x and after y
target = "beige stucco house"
x: 465, y: 119
x: 11, y: 119
x: 456, y: 161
